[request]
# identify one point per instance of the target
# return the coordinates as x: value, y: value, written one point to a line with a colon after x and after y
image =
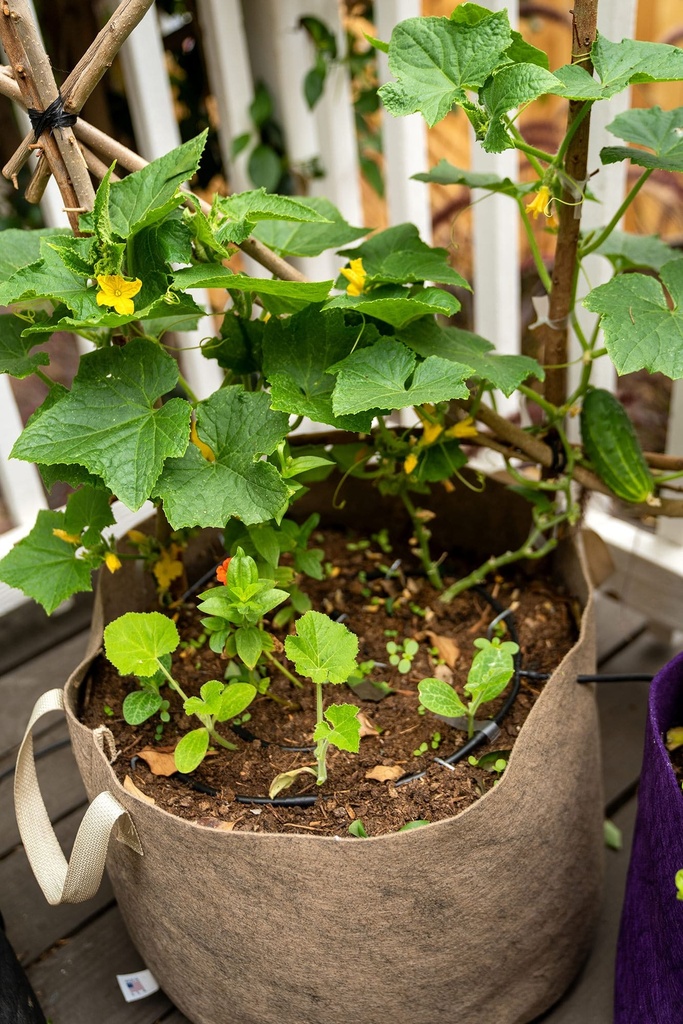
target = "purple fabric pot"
x: 649, y: 970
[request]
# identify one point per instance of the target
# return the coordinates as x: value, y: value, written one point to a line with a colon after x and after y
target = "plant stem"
x: 171, y: 682
x: 285, y: 671
x: 216, y: 736
x: 535, y: 251
x: 322, y: 744
x: 554, y: 335
x: 433, y: 574
x: 607, y: 231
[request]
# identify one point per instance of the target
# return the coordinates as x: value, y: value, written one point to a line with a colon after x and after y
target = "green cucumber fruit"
x: 610, y: 443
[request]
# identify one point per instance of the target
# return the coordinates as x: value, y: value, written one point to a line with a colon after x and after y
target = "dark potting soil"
x: 379, y: 608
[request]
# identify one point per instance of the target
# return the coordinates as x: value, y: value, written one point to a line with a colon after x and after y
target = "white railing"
x: 246, y: 40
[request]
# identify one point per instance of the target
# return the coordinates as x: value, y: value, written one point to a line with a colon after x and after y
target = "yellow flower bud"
x: 355, y: 275
x: 410, y: 464
x: 137, y: 536
x: 70, y: 538
x: 203, y: 448
x: 465, y: 428
x: 112, y: 561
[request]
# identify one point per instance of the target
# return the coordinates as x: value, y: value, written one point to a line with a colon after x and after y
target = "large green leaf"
x: 341, y: 728
x: 213, y: 275
x: 641, y: 331
x: 49, y: 278
x: 15, y: 357
x: 109, y: 422
x: 619, y: 65
x: 45, y: 567
x: 296, y: 354
x: 505, y: 372
x: 445, y: 173
x: 236, y: 216
x: 377, y: 378
x: 88, y: 509
x: 435, y: 60
x: 322, y: 649
x: 512, y: 87
x: 297, y: 239
x: 398, y: 306
x: 134, y: 642
x: 160, y: 316
x: 150, y: 194
x: 660, y: 130
x: 20, y: 248
x: 399, y: 256
x: 627, y: 251
x: 239, y: 427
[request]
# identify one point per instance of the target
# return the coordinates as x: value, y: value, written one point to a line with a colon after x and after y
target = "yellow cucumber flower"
x: 117, y: 292
x: 112, y: 561
x: 410, y: 463
x: 168, y: 567
x: 465, y: 428
x: 70, y: 538
x: 430, y: 431
x: 356, y: 276
x: 137, y: 536
x: 541, y: 204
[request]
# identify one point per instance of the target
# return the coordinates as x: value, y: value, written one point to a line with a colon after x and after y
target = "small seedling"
x: 422, y: 749
x: 410, y: 826
x: 140, y: 644
x: 493, y: 761
x: 325, y: 651
x: 401, y: 655
x: 109, y: 712
x: 356, y: 829
x: 492, y: 669
x: 381, y: 538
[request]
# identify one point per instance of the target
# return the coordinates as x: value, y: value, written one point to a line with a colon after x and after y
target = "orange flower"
x: 222, y: 572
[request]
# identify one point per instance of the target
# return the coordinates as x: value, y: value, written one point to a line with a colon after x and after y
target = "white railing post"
x: 404, y: 139
x: 156, y: 132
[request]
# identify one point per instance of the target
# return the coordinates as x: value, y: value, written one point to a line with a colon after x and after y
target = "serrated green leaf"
x: 512, y: 87
x: 491, y: 671
x: 45, y: 567
x: 435, y: 60
x: 341, y: 728
x: 504, y: 372
x: 641, y: 332
x: 292, y: 239
x: 21, y: 248
x: 88, y: 508
x: 321, y: 649
x: 134, y: 642
x: 377, y: 378
x: 77, y: 254
x: 48, y: 278
x: 150, y: 255
x: 141, y: 705
x: 109, y: 422
x: 659, y: 130
x: 150, y: 194
x: 619, y: 65
x: 296, y: 354
x: 235, y: 216
x: 627, y: 251
x: 239, y: 427
x: 162, y: 315
x: 74, y: 476
x: 445, y: 173
x: 398, y: 306
x: 439, y: 697
x: 398, y: 255
x: 209, y: 275
x: 191, y: 750
x: 15, y: 357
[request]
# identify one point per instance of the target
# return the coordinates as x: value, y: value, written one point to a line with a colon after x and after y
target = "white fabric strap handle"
x: 80, y: 879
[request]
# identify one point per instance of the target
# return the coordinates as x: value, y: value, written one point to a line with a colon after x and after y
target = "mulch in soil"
x: 378, y: 606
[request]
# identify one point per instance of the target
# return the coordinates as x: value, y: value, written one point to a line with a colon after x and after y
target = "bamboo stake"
x: 79, y: 84
x: 554, y: 334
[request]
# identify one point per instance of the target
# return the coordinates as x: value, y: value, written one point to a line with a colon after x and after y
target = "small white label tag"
x: 138, y: 985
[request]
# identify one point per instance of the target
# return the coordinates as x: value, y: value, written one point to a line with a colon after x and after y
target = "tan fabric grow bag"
x: 487, y: 915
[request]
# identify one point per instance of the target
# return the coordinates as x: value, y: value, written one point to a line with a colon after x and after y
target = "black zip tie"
x: 54, y: 116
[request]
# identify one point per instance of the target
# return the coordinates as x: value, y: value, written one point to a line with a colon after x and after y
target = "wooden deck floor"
x: 73, y: 953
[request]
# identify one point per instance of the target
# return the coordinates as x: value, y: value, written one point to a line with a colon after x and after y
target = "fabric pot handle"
x: 80, y: 879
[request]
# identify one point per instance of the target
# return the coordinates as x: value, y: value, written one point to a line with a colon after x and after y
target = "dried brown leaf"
x: 159, y: 762
x: 131, y: 788
x: 385, y: 773
x: 447, y: 648
x: 217, y: 823
x: 367, y: 726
